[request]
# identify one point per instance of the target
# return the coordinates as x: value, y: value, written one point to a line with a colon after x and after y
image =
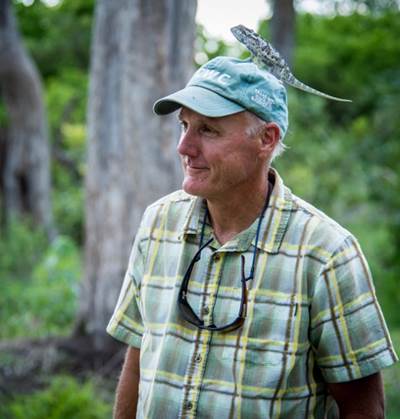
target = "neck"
x: 230, y: 216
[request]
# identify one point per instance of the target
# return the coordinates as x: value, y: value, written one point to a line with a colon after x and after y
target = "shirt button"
x: 189, y: 406
x: 197, y: 358
x: 217, y: 256
x: 206, y: 310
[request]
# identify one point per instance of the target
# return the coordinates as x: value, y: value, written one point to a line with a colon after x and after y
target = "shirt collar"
x: 273, y: 226
x: 276, y: 217
x: 195, y: 216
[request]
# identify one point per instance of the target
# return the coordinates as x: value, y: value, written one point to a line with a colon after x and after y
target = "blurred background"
x: 81, y: 156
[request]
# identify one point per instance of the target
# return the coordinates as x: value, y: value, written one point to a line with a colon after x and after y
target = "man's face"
x: 219, y: 155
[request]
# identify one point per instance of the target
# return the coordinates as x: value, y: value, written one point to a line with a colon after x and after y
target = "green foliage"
x: 3, y: 114
x: 64, y: 398
x: 66, y: 97
x: 43, y: 303
x: 392, y: 383
x: 208, y: 47
x: 351, y: 6
x: 21, y: 247
x: 349, y: 56
x: 68, y: 205
x: 57, y: 37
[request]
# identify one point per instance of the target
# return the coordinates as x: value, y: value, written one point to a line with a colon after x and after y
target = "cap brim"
x: 198, y: 99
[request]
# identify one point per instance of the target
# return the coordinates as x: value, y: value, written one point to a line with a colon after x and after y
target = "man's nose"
x: 188, y: 144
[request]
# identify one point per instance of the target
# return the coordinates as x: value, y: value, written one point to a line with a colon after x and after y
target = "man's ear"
x: 269, y: 137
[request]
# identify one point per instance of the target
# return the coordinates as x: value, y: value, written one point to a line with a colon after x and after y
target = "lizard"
x: 266, y: 56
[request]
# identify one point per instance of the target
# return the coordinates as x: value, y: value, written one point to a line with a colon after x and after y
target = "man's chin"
x: 192, y: 188
x: 193, y: 191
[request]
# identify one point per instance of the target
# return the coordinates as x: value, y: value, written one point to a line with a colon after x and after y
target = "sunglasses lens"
x: 188, y: 313
x: 190, y: 316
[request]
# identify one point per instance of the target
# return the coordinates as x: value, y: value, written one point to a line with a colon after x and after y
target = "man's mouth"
x: 193, y: 167
x: 196, y: 167
x: 193, y: 170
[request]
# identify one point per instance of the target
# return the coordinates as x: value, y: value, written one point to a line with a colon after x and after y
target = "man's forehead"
x: 186, y: 113
x: 189, y: 113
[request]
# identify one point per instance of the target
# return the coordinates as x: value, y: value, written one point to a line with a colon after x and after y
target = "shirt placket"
x: 198, y: 360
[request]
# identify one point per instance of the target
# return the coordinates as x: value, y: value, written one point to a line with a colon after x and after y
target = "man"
x: 240, y: 299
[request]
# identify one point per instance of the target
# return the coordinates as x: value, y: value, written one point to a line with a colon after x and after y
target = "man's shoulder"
x: 304, y: 207
x: 171, y: 212
x: 174, y: 198
x: 317, y: 227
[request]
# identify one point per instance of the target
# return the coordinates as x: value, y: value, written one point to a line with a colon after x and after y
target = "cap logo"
x: 215, y: 75
x: 262, y: 99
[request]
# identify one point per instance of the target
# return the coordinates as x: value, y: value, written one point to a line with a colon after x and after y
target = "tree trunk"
x: 283, y: 28
x: 26, y: 159
x: 141, y: 50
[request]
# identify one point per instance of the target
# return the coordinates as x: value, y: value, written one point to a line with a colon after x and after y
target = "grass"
x: 41, y: 302
x: 64, y: 397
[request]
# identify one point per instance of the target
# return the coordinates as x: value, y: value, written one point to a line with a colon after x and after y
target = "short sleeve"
x: 348, y: 332
x: 126, y: 322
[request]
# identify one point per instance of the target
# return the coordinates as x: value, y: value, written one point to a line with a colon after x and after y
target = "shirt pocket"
x: 274, y: 327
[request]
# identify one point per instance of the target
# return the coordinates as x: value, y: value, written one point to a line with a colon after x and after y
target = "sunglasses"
x: 188, y: 313
x: 185, y: 308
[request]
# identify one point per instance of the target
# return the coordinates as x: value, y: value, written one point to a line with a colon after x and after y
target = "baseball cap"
x: 225, y: 86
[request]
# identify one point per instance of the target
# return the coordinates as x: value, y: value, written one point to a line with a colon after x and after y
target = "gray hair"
x: 255, y: 128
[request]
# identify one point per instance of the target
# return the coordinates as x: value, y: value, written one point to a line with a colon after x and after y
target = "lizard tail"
x: 299, y: 85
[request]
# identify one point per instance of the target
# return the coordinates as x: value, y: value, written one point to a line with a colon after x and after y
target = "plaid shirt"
x: 312, y: 313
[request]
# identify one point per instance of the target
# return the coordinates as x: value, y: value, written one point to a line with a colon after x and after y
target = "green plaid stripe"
x: 312, y: 313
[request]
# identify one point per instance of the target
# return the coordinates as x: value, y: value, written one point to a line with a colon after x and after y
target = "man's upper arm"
x: 126, y: 323
x: 362, y: 398
x: 347, y: 328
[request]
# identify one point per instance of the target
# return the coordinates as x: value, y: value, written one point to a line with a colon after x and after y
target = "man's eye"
x: 183, y: 125
x: 208, y: 130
